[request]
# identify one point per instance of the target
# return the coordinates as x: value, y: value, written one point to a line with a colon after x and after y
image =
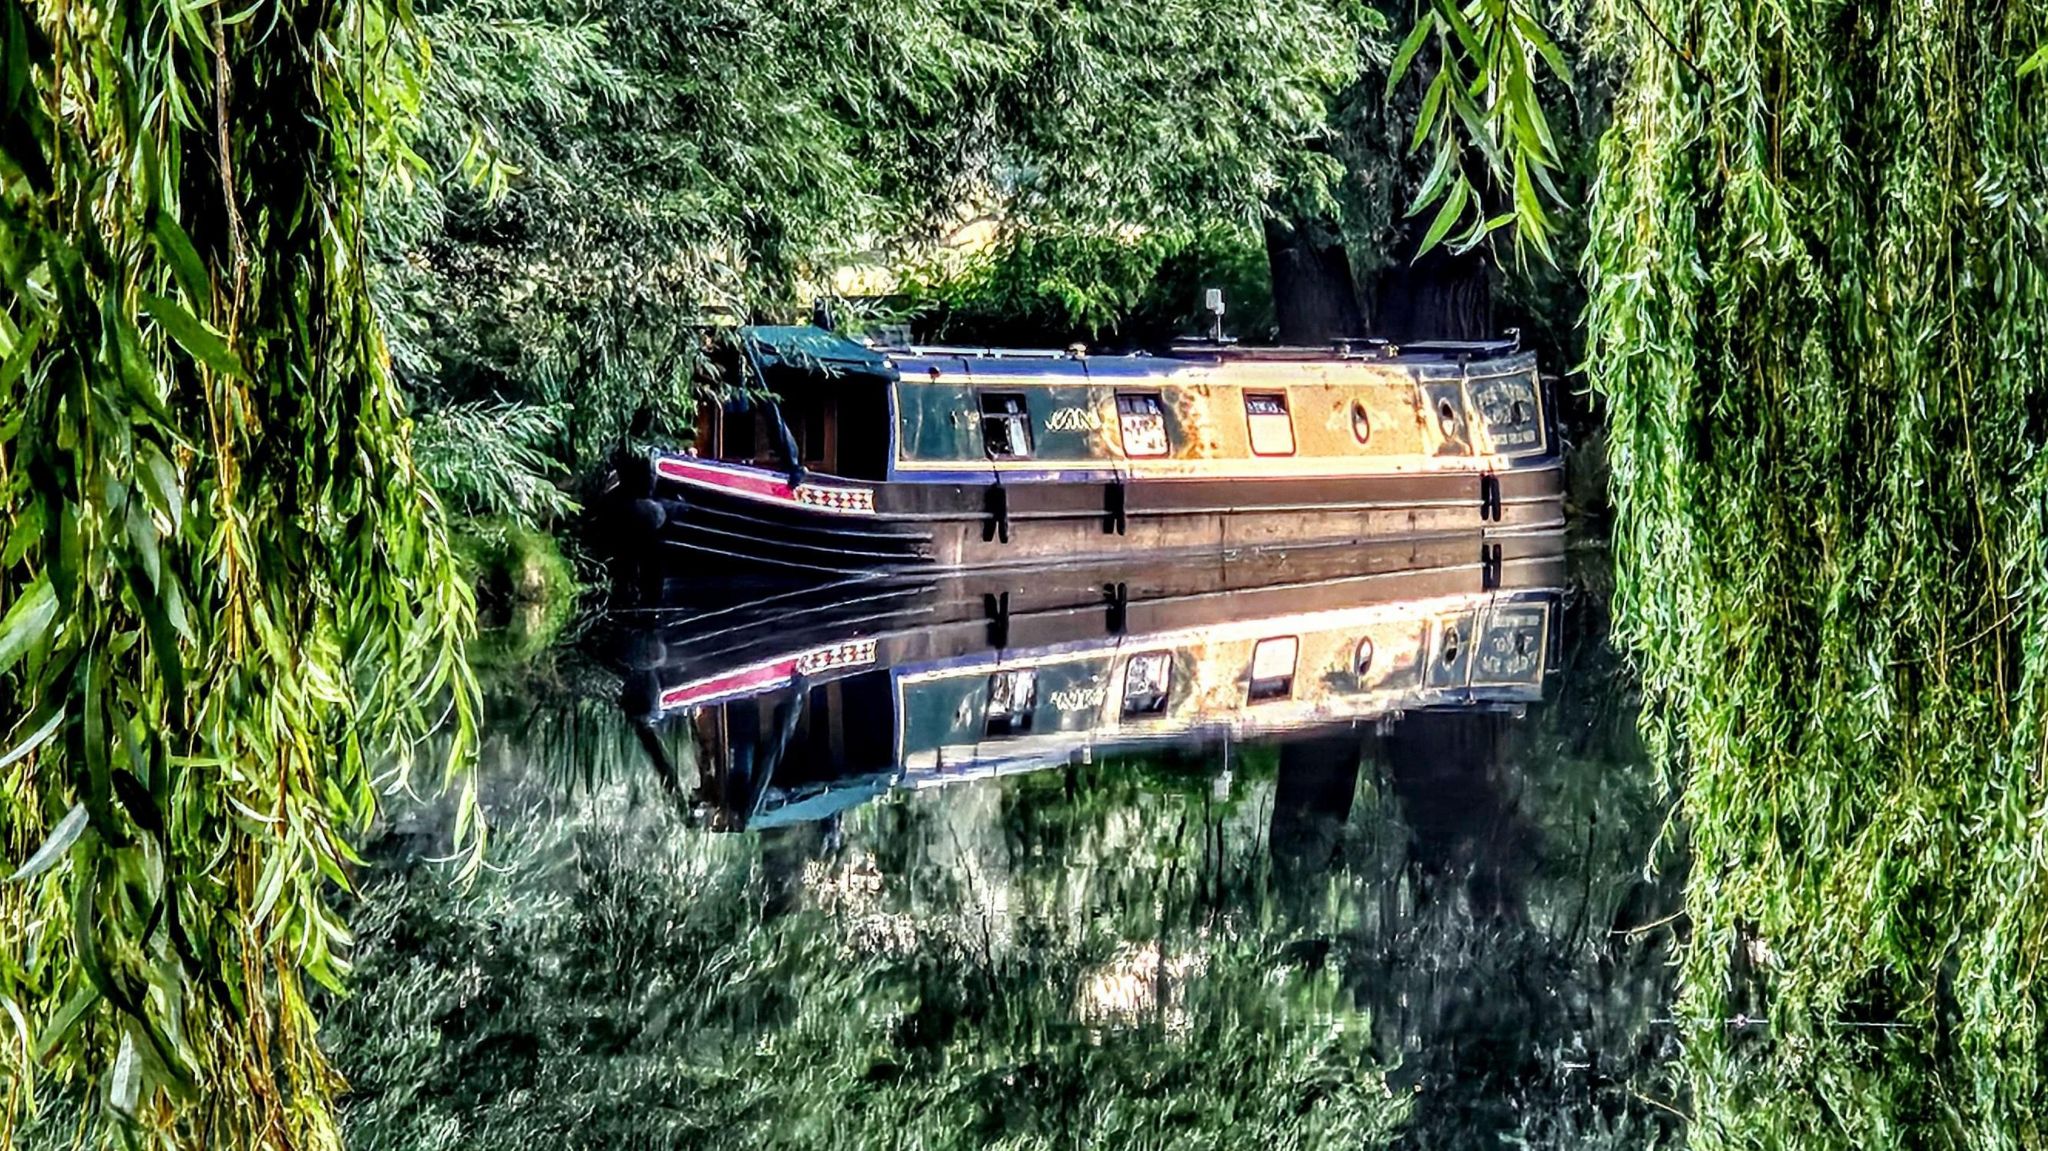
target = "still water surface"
x: 1161, y: 861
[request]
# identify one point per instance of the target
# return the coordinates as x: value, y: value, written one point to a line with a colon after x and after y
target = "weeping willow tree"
x: 1819, y: 311
x: 227, y: 606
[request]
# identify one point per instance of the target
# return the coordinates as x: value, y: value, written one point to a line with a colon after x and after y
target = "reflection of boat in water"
x: 801, y: 706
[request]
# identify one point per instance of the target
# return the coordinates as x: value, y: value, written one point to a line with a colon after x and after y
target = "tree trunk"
x: 1312, y: 802
x: 1438, y: 297
x: 1314, y: 297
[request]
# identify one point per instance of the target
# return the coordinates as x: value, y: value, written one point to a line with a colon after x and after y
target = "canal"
x: 925, y: 872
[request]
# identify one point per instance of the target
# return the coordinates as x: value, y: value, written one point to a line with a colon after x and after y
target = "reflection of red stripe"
x: 749, y: 679
x: 753, y: 483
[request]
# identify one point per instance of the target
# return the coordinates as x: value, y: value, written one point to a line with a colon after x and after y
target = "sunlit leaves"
x: 495, y: 459
x: 62, y: 836
x: 1818, y: 299
x: 1482, y: 113
x: 227, y: 606
x: 28, y: 622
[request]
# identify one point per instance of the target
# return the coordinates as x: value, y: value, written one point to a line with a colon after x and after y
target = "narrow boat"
x: 799, y: 707
x: 840, y: 458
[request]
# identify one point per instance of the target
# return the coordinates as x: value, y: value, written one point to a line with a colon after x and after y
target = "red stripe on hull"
x: 835, y: 499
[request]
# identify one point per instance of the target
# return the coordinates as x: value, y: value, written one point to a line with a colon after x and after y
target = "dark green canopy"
x: 815, y: 351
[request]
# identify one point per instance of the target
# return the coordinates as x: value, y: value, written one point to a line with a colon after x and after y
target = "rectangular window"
x: 1143, y: 423
x: 1012, y: 697
x: 1273, y: 669
x: 1005, y: 426
x: 1147, y: 679
x: 1272, y: 430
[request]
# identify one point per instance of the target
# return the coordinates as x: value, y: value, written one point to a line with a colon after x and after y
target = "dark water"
x: 1307, y: 858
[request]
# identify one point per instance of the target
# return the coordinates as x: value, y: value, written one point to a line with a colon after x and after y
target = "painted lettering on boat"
x: 1072, y: 419
x: 1077, y: 698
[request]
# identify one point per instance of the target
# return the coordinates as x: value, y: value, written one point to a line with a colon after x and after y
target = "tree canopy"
x: 593, y: 182
x: 1818, y: 272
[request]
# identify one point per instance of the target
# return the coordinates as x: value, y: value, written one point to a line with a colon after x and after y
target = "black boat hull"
x: 708, y: 530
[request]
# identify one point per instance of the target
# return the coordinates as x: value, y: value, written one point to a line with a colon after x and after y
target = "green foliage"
x: 227, y: 603
x: 1046, y: 288
x: 619, y: 980
x: 594, y: 181
x: 493, y: 460
x: 1484, y: 97
x: 526, y: 590
x: 1819, y: 280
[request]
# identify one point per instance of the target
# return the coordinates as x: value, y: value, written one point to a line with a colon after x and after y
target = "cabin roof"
x: 802, y: 350
x: 816, y: 351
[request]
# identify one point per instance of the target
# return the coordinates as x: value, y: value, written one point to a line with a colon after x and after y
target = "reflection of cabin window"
x: 1005, y: 426
x: 1146, y: 680
x: 1273, y: 669
x: 1143, y: 423
x: 1271, y: 427
x: 1011, y: 697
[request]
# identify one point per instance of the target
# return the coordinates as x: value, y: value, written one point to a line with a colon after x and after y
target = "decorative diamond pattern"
x: 853, y: 653
x: 856, y: 501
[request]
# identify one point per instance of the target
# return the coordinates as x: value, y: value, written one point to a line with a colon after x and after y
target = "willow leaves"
x: 227, y: 604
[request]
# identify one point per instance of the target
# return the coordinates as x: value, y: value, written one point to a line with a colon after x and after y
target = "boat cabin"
x: 815, y: 399
x: 825, y: 457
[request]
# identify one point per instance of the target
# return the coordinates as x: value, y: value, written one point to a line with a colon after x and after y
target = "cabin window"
x: 1012, y: 696
x: 1147, y: 679
x: 1005, y: 425
x: 1271, y: 427
x: 1273, y: 669
x: 814, y: 425
x: 1143, y: 423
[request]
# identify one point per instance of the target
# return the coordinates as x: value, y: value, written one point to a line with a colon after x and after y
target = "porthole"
x: 1361, y: 422
x: 1361, y: 661
x: 1447, y: 418
x: 1450, y: 646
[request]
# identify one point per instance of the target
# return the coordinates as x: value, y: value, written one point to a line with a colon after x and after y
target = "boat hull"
x: 716, y: 519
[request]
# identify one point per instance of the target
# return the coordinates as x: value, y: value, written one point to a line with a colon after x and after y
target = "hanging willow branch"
x: 1482, y: 105
x: 227, y: 602
x: 1819, y: 318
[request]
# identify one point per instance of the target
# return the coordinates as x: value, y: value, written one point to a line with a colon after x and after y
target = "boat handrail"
x: 919, y: 351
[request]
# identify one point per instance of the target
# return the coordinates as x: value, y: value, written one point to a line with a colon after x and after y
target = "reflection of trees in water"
x: 1485, y: 865
x: 933, y: 979
x: 1484, y: 947
x: 1116, y: 954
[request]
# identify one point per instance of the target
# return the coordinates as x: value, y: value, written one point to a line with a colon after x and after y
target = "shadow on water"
x: 1343, y: 854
